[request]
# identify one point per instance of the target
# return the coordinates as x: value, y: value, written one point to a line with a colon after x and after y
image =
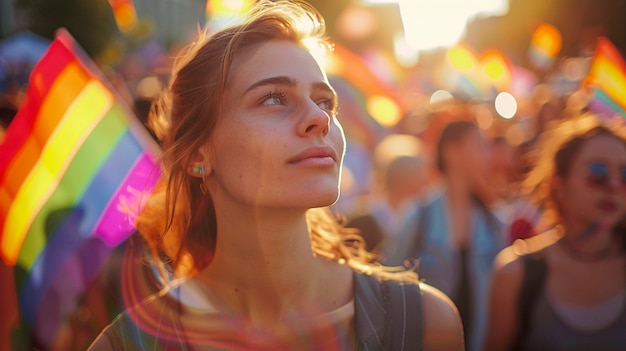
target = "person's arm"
x: 442, y: 325
x: 503, y: 322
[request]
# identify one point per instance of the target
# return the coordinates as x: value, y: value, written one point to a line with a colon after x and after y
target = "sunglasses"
x: 599, y: 175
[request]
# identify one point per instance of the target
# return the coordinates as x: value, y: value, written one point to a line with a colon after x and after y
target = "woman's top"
x: 464, y: 275
x: 383, y: 316
x: 553, y: 325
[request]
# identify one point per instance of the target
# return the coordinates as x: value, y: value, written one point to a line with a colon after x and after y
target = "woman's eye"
x: 327, y: 105
x: 274, y: 98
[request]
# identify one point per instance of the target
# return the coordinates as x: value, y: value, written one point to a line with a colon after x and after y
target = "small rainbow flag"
x: 607, y: 81
x: 74, y: 166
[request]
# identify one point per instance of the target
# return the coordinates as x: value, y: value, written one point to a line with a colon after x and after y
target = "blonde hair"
x: 554, y: 155
x: 179, y: 221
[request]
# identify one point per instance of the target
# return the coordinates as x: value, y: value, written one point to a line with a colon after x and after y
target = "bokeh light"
x: 384, y: 110
x: 356, y: 22
x: 506, y: 105
x: 403, y: 52
x: 461, y: 58
x: 496, y: 69
x: 225, y: 8
x: 440, y: 96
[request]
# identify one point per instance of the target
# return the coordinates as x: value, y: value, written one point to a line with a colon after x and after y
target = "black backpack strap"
x: 405, y: 317
x: 535, y: 273
x: 388, y: 315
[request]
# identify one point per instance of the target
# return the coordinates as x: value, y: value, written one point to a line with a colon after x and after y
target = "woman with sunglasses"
x: 252, y: 157
x: 566, y: 288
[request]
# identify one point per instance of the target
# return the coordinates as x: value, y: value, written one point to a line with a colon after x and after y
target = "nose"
x: 315, y: 121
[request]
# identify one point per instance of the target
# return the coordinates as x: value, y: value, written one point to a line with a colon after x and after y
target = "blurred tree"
x: 90, y: 22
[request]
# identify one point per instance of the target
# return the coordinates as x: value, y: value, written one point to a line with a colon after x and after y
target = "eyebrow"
x: 278, y: 80
x: 287, y: 81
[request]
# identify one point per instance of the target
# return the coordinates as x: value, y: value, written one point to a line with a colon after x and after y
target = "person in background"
x: 505, y: 175
x: 565, y: 289
x: 383, y: 228
x: 239, y: 224
x: 501, y: 169
x: 457, y: 236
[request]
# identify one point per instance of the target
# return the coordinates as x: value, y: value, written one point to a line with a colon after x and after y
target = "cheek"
x: 338, y: 138
x: 242, y: 156
x: 577, y: 195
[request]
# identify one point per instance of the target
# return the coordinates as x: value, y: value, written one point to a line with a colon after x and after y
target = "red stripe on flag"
x: 41, y: 80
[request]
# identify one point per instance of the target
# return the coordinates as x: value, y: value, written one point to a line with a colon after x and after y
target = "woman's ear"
x: 200, y: 167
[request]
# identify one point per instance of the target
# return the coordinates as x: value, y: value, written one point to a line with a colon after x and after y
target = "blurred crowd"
x: 450, y: 198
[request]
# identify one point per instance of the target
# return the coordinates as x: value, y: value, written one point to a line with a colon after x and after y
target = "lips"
x: 315, y: 156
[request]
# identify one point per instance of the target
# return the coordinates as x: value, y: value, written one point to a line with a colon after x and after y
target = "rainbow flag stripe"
x: 74, y: 167
x: 607, y: 81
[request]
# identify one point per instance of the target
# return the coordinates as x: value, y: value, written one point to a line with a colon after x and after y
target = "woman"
x: 457, y: 237
x: 565, y: 289
x: 253, y: 154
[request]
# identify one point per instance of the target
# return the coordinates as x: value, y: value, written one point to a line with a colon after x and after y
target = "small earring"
x: 202, y: 170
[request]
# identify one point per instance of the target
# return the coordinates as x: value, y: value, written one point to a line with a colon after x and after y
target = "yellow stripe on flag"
x: 90, y: 106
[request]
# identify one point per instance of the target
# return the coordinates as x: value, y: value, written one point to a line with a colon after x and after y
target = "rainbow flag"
x: 74, y: 167
x: 607, y: 81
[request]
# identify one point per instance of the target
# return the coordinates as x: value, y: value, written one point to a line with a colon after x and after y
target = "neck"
x: 264, y: 266
x: 457, y: 188
x: 397, y: 200
x: 588, y: 242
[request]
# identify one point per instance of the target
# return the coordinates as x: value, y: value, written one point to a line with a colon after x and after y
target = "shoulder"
x: 442, y: 324
x: 141, y: 326
x: 509, y: 264
x: 509, y: 259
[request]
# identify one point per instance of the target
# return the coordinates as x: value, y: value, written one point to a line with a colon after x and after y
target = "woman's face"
x: 471, y: 155
x: 593, y: 191
x: 277, y: 142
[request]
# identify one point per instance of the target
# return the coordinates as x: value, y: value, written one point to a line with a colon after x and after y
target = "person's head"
x: 580, y: 173
x: 405, y: 176
x: 249, y: 123
x: 502, y: 155
x: 461, y: 150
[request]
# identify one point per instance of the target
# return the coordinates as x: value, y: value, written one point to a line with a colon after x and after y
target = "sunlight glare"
x: 430, y: 24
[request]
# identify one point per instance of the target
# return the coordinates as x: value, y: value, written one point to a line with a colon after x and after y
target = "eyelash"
x: 274, y: 94
x: 281, y: 95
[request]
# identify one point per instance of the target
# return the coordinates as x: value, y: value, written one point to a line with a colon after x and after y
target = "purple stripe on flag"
x: 117, y: 220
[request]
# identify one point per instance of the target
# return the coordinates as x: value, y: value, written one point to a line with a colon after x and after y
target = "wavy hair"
x: 554, y: 154
x: 179, y: 222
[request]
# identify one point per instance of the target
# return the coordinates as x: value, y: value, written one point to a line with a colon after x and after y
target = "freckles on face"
x: 278, y: 109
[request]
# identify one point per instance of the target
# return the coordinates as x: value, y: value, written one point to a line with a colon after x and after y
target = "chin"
x: 314, y: 197
x: 320, y: 199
